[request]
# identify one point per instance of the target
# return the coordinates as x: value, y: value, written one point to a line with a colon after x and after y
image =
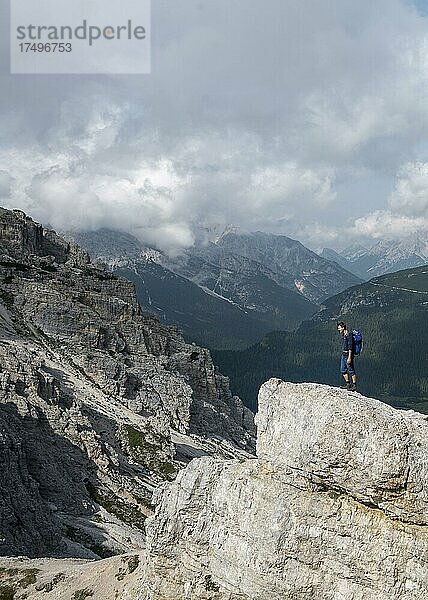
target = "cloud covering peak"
x: 295, y: 118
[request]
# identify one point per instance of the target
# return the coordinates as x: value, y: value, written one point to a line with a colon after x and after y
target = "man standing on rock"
x: 347, y: 358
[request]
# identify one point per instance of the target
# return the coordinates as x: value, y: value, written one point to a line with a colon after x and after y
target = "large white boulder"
x: 333, y: 508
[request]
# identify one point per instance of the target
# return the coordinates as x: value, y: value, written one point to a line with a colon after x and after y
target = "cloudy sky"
x: 307, y: 118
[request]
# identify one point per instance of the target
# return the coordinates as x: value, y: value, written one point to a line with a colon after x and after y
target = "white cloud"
x: 318, y: 236
x: 279, y: 196
x: 385, y: 224
x: 407, y: 212
x: 410, y: 196
x: 255, y: 113
x: 205, y: 179
x: 87, y: 202
x: 5, y: 185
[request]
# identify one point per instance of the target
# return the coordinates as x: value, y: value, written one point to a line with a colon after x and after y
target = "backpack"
x: 358, y: 341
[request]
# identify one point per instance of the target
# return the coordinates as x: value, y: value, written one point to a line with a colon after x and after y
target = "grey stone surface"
x: 332, y: 508
x: 360, y: 446
x: 90, y: 391
x: 295, y: 523
x: 100, y: 406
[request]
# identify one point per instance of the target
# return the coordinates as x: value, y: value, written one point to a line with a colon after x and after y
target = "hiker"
x: 347, y: 358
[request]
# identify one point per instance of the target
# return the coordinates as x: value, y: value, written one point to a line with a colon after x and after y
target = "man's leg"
x: 353, y: 375
x: 344, y: 371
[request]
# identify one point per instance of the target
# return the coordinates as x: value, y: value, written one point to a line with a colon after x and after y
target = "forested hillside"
x: 392, y: 313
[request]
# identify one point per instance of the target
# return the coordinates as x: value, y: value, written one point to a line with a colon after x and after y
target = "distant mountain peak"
x: 354, y: 251
x: 114, y: 248
x: 214, y: 232
x: 384, y: 256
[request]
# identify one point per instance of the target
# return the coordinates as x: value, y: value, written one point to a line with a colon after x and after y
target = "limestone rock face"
x: 92, y: 392
x: 333, y: 507
x: 364, y: 448
x: 21, y: 236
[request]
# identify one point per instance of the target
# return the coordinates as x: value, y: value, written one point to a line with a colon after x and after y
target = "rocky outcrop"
x: 91, y: 391
x: 21, y: 236
x: 334, y: 507
x: 364, y: 448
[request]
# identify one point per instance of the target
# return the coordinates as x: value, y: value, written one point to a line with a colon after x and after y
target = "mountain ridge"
x: 385, y: 256
x: 99, y: 403
x: 239, y: 279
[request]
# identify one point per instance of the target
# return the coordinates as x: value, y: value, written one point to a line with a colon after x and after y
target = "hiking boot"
x: 352, y: 387
x: 344, y: 386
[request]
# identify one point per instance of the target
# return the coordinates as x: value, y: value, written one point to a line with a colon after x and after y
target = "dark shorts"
x: 344, y: 367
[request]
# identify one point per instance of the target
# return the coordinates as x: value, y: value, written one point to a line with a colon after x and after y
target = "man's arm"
x: 350, y: 340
